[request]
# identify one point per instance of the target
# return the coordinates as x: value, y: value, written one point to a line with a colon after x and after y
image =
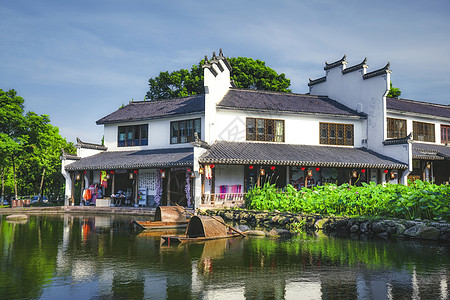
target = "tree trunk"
x: 3, y: 184
x: 15, y: 181
x: 40, y: 188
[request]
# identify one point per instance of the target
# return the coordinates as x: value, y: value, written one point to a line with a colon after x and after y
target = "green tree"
x: 12, y: 130
x: 29, y: 148
x: 394, y: 92
x: 246, y: 73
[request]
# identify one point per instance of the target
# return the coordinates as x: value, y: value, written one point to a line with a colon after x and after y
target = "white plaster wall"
x: 83, y: 152
x: 365, y: 95
x: 299, y: 129
x: 409, y: 123
x: 215, y: 88
x: 158, y: 133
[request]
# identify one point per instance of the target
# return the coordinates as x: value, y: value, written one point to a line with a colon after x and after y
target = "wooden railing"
x: 228, y: 199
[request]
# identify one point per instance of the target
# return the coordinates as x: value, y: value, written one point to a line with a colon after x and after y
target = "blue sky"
x: 78, y: 61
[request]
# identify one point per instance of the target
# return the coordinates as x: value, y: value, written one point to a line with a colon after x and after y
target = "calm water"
x: 73, y: 257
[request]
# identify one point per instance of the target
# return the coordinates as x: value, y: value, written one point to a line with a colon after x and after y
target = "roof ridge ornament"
x: 316, y: 81
x: 81, y: 144
x: 359, y: 66
x: 382, y: 71
x: 335, y: 64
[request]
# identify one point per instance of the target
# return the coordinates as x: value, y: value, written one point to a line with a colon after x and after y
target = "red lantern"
x: 317, y: 169
x: 84, y: 172
x: 386, y: 171
x: 212, y: 166
x: 302, y: 168
x: 188, y: 170
x: 272, y: 168
x: 250, y: 167
x: 363, y: 170
x: 135, y: 171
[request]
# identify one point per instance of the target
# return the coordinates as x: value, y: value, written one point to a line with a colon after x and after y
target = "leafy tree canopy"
x: 394, y: 92
x: 246, y: 73
x: 33, y: 144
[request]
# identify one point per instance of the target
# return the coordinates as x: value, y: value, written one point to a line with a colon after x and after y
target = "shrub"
x: 418, y: 200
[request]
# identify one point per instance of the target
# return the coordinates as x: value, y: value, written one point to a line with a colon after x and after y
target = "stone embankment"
x: 277, y: 223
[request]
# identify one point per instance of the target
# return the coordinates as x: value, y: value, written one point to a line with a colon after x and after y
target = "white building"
x: 210, y: 149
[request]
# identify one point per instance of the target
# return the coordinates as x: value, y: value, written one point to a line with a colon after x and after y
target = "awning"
x: 430, y: 151
x: 115, y: 160
x: 223, y: 152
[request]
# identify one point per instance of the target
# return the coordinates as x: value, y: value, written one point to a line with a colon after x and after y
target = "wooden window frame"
x: 133, y: 135
x: 268, y: 133
x: 336, y: 134
x: 445, y: 134
x: 396, y: 128
x: 424, y: 132
x: 185, y: 130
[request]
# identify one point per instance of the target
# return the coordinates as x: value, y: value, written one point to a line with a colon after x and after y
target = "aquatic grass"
x: 417, y: 200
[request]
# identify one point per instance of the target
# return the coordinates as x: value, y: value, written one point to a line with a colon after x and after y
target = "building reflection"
x: 105, y: 256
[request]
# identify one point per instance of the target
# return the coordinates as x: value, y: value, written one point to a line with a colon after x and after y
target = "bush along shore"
x: 419, y: 210
x: 284, y: 224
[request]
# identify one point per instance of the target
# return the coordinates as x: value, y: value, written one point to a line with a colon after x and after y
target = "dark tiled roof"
x: 223, y: 152
x: 284, y: 102
x: 144, y: 110
x: 114, y: 160
x: 411, y: 106
x: 430, y: 151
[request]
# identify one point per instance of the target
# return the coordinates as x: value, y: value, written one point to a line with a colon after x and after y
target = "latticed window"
x: 396, y: 128
x: 336, y: 134
x: 423, y: 132
x: 445, y: 134
x: 135, y: 135
x: 267, y: 130
x: 183, y: 131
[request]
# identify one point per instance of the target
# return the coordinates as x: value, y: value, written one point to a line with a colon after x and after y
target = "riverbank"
x: 139, y: 211
x: 355, y: 227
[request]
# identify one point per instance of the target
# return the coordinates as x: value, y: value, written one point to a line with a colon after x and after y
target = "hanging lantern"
x: 262, y: 172
x: 428, y: 165
x: 363, y: 170
x: 188, y: 170
x: 163, y: 173
x: 84, y: 172
x: 107, y: 176
x: 317, y: 169
x: 192, y: 174
x: 201, y: 171
x: 212, y: 166
x: 131, y: 175
x: 393, y: 174
x: 112, y: 172
x: 272, y: 168
x: 78, y: 177
x: 302, y: 168
x: 310, y: 172
x: 135, y: 171
x: 355, y: 174
x: 250, y: 167
x: 385, y: 171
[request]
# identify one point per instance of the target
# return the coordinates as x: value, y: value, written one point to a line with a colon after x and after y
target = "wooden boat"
x: 166, y: 217
x: 202, y: 228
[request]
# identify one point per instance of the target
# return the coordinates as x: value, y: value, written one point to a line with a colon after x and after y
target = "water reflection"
x: 71, y: 256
